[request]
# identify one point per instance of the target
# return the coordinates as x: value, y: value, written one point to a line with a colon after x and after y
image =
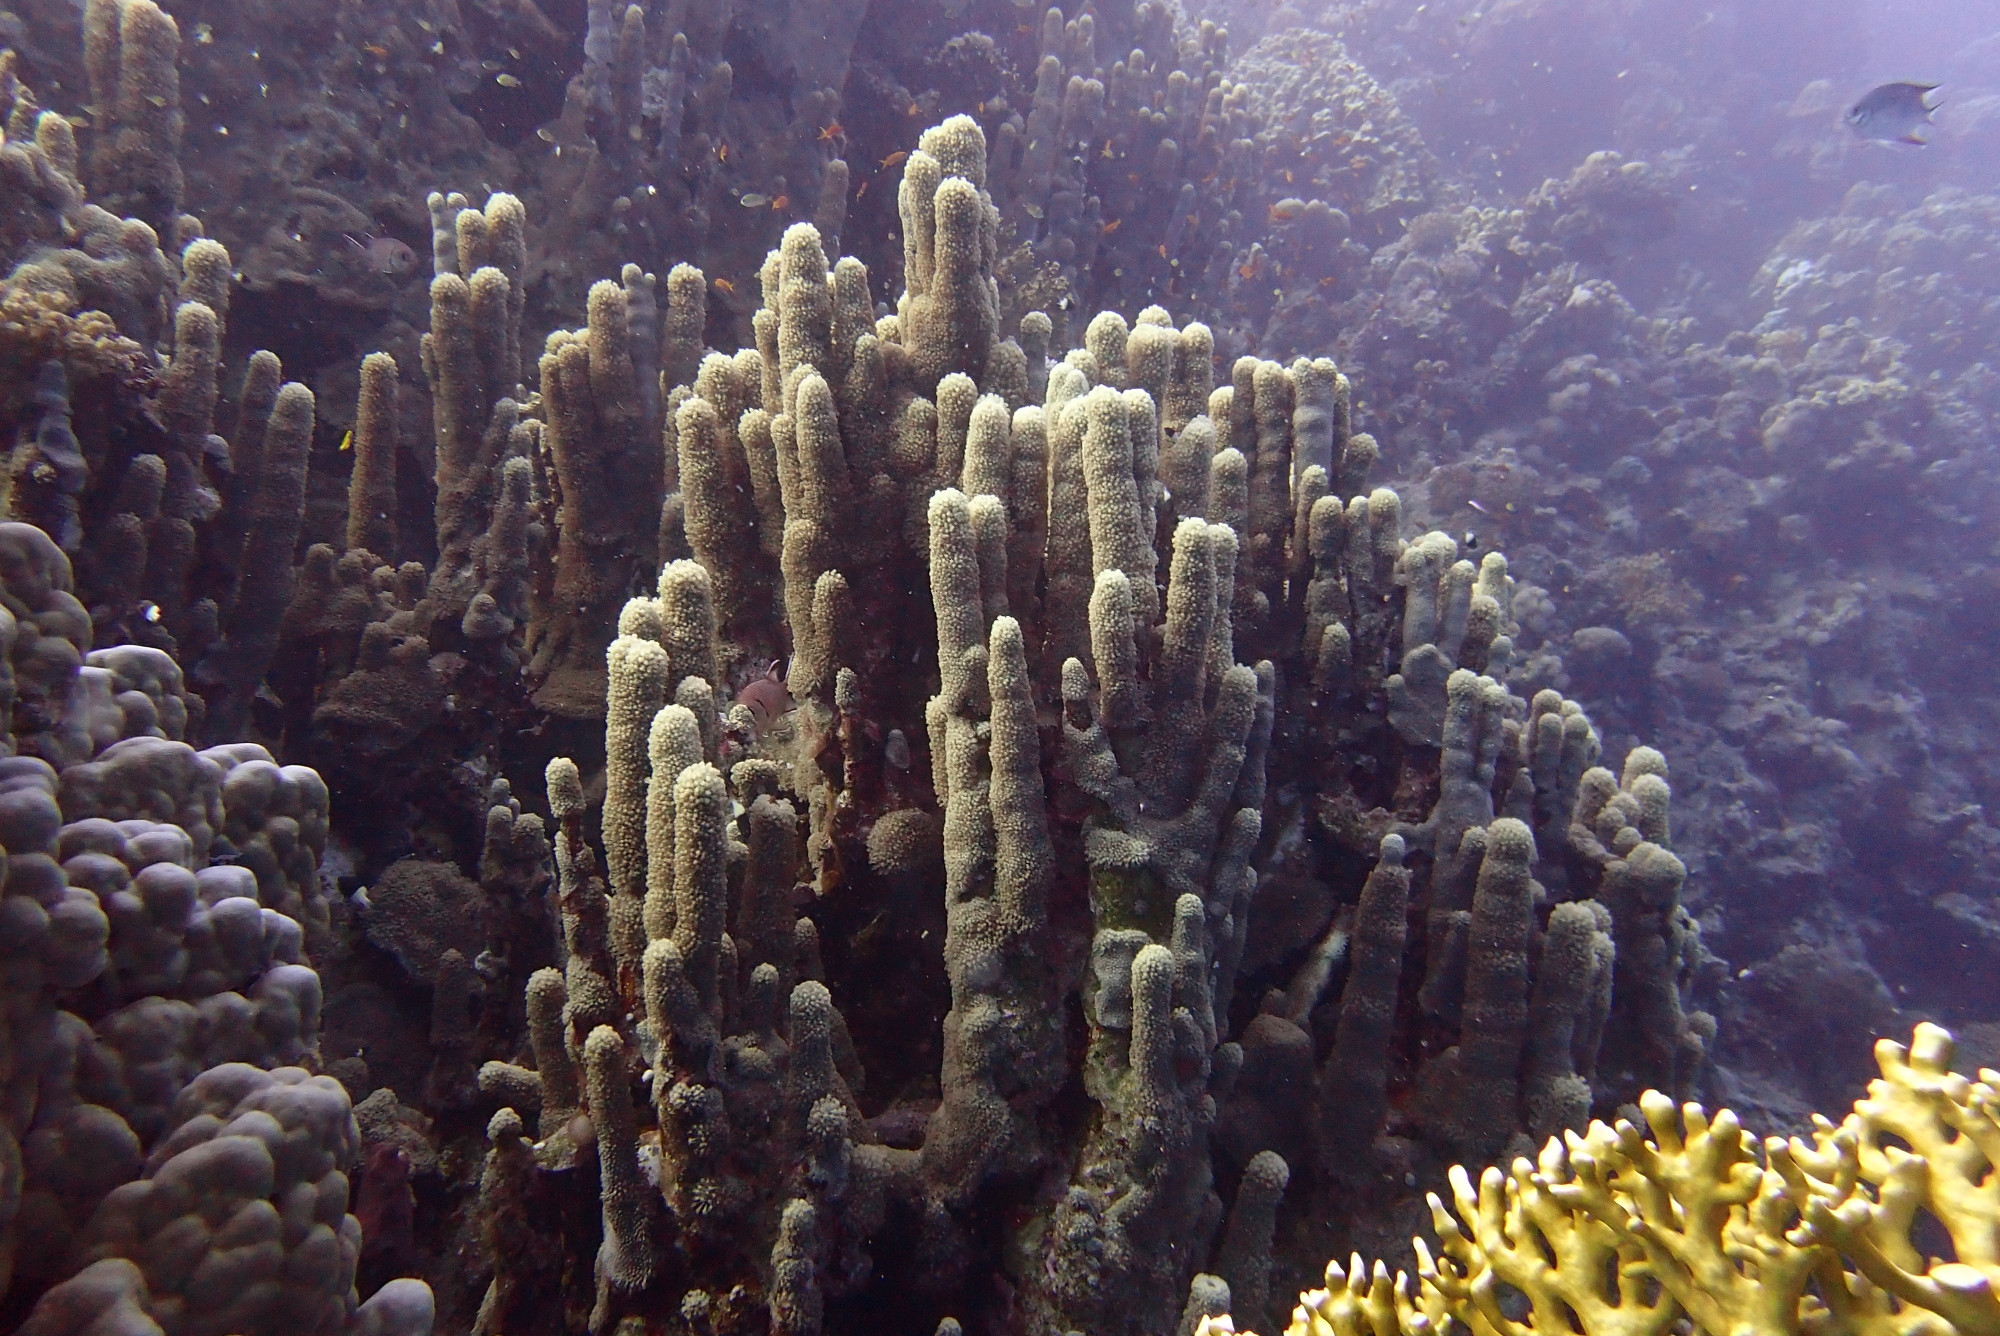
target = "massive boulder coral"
x: 252, y: 1160
x: 158, y: 903
x: 1337, y: 136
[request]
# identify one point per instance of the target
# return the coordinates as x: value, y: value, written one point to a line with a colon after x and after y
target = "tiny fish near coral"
x: 384, y: 255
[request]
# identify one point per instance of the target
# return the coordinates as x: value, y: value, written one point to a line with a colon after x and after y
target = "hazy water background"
x: 1742, y: 99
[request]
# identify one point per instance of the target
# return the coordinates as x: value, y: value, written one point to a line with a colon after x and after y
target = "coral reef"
x: 159, y: 904
x: 1658, y: 472
x: 881, y: 451
x: 1024, y: 833
x: 1096, y: 537
x: 1689, y: 1220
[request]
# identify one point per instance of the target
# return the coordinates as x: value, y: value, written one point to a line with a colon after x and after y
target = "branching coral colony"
x: 1615, y: 1230
x: 1008, y: 602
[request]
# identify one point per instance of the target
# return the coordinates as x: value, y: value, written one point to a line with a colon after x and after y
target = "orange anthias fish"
x: 725, y: 285
x: 895, y: 158
x: 830, y: 131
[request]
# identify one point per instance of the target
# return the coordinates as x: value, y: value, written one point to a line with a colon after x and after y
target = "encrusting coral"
x: 1689, y: 1223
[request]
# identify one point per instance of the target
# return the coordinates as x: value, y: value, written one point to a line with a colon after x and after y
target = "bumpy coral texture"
x: 156, y: 998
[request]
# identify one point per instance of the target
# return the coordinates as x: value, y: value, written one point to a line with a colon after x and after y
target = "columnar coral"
x: 1093, y: 646
x: 1106, y: 552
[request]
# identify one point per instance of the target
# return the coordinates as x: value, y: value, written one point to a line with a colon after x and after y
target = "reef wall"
x: 1012, y: 829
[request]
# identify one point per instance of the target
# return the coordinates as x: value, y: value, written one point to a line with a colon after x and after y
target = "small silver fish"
x: 1893, y: 112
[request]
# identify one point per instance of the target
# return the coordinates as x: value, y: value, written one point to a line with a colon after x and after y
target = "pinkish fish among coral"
x: 767, y: 698
x: 384, y: 1205
x: 384, y: 255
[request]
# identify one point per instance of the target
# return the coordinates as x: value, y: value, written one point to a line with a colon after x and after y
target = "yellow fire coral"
x: 1629, y: 1232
